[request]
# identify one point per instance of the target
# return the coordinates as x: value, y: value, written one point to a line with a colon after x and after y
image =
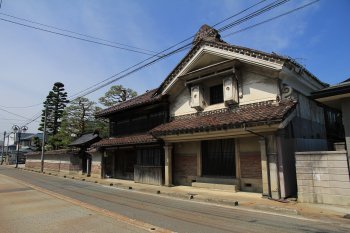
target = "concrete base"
x: 228, y: 187
x: 216, y: 183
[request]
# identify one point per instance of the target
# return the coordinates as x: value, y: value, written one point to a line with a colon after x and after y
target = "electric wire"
x: 238, y: 13
x: 9, y: 119
x: 75, y: 37
x: 159, y: 53
x: 266, y: 8
x: 15, y: 114
x: 271, y: 19
x: 76, y: 33
x: 29, y: 106
x: 252, y: 15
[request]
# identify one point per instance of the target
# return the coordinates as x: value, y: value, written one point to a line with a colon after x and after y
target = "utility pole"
x: 43, y: 143
x: 3, y: 149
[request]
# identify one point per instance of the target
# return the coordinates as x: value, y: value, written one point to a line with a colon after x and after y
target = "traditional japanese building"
x: 131, y: 152
x: 226, y: 117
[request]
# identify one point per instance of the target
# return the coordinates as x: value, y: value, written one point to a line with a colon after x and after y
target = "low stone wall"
x: 60, y: 161
x: 323, y: 177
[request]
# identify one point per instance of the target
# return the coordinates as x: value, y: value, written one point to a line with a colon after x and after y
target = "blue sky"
x: 31, y: 61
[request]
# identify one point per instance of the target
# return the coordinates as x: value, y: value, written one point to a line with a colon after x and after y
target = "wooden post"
x: 168, y: 176
x: 264, y: 168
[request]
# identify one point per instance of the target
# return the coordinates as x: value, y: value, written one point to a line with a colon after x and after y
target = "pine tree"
x: 98, y: 124
x: 78, y: 119
x: 117, y: 94
x: 54, y: 106
x: 79, y: 112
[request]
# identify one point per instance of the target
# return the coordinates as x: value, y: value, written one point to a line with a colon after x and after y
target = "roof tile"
x: 227, y: 118
x: 144, y: 138
x: 145, y: 98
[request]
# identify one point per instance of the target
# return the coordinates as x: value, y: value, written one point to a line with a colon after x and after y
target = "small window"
x: 216, y: 94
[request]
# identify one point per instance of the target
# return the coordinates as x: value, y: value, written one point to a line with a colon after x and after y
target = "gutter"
x: 331, y: 91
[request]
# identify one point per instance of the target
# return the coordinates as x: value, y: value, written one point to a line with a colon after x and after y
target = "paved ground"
x: 24, y: 209
x: 252, y: 201
x: 168, y: 213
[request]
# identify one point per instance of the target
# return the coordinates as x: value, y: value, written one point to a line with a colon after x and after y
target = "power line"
x: 139, y: 63
x: 14, y: 114
x: 232, y: 16
x: 32, y: 119
x: 29, y: 106
x: 254, y: 14
x: 271, y: 19
x: 139, y: 68
x: 76, y: 33
x: 9, y: 119
x: 75, y: 37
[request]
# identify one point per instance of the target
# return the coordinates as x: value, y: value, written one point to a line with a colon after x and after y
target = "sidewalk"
x: 243, y: 200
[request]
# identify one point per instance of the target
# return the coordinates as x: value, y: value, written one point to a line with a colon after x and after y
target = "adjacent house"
x: 338, y: 97
x: 323, y: 176
x: 28, y: 140
x: 226, y: 117
x: 131, y: 152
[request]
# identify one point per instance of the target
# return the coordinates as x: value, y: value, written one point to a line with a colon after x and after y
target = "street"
x: 42, y: 203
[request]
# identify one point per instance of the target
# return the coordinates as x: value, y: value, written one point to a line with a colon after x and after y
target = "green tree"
x: 117, y: 94
x: 37, y: 143
x: 78, y: 119
x: 79, y: 112
x: 54, y: 106
x: 98, y: 124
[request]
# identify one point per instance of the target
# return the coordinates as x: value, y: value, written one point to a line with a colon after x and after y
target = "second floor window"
x: 139, y: 124
x: 216, y: 94
x: 122, y: 127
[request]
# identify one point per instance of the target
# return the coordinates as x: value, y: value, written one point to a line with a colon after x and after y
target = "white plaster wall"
x: 181, y: 104
x: 256, y: 88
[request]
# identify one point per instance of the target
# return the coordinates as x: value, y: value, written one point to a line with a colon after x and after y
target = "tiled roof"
x: 252, y: 114
x: 144, y: 138
x: 272, y: 57
x: 85, y: 139
x: 145, y: 98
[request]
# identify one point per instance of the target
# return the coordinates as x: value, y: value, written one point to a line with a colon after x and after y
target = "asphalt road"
x: 24, y: 209
x: 169, y: 213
